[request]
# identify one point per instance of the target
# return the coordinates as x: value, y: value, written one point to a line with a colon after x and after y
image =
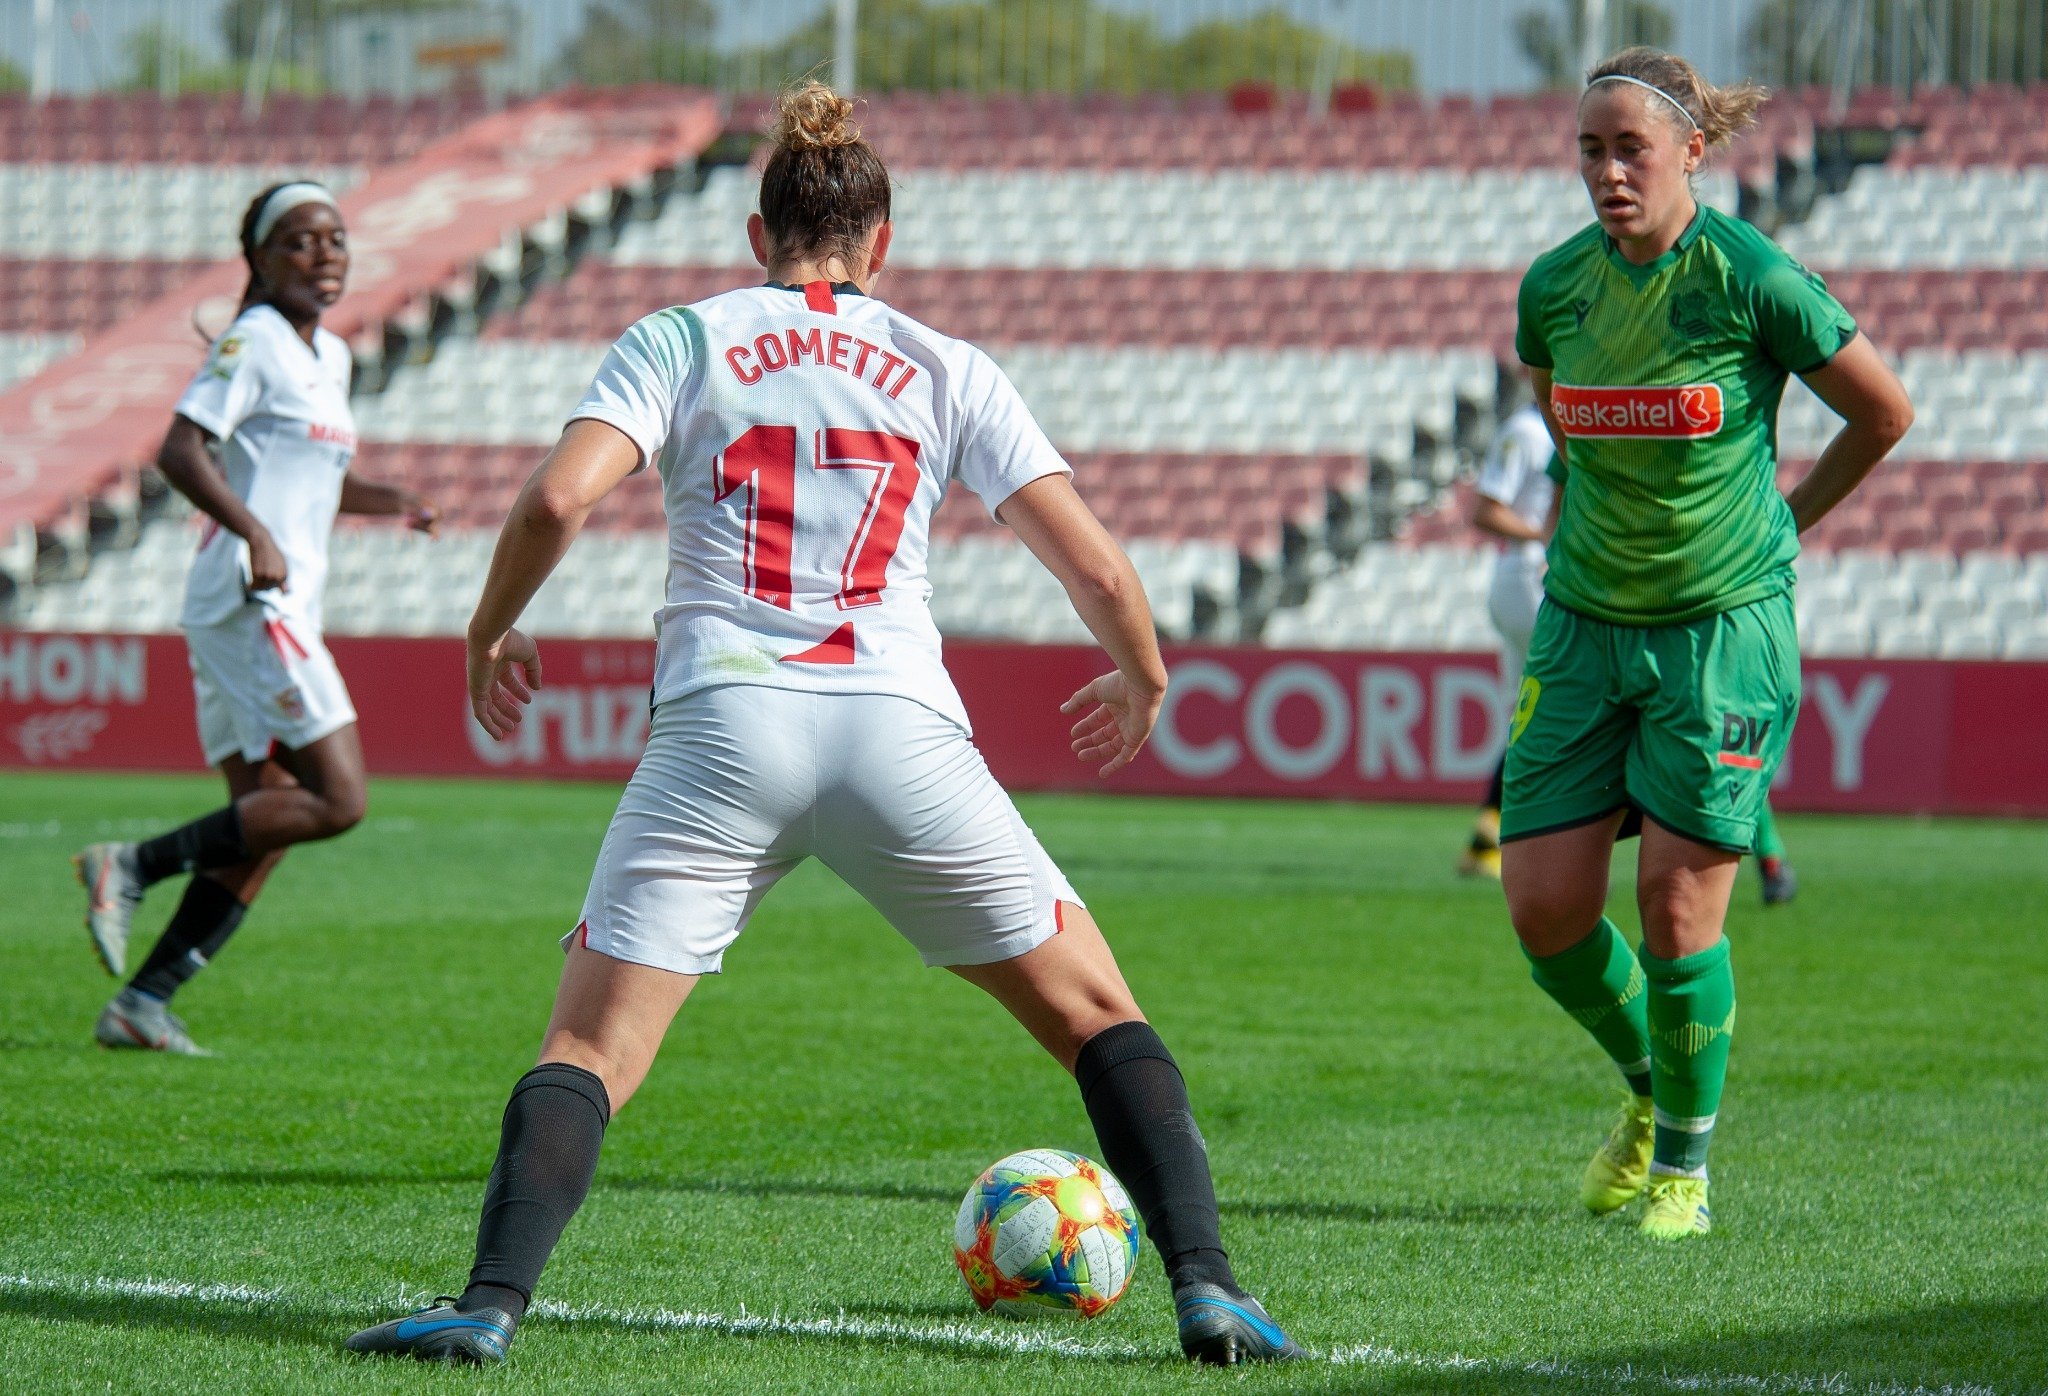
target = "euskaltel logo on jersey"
x: 1684, y: 413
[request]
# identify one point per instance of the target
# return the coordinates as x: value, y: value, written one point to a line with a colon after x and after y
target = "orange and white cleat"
x: 133, y: 1020
x: 113, y: 889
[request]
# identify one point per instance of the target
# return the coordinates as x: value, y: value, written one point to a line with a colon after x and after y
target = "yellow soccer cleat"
x: 1482, y: 857
x: 1678, y: 1208
x: 1622, y: 1166
x: 1480, y: 862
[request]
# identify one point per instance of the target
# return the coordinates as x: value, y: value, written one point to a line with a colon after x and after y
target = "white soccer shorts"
x: 1512, y: 602
x: 741, y: 783
x: 261, y: 678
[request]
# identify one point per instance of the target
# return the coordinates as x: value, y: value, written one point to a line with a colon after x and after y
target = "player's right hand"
x: 1117, y: 717
x: 502, y: 678
x: 266, y: 564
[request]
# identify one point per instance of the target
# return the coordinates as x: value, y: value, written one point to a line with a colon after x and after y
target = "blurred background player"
x: 1515, y: 502
x: 805, y: 433
x: 1781, y: 885
x: 262, y: 443
x: 1663, y: 675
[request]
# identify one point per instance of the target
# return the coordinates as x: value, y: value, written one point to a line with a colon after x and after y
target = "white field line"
x: 970, y: 1337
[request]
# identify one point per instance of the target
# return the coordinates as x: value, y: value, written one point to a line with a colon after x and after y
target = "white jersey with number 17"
x: 804, y: 436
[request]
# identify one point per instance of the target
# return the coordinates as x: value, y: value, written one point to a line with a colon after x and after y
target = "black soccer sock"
x: 547, y: 1155
x: 1138, y: 1103
x: 492, y: 1297
x: 210, y: 841
x: 206, y: 916
x: 1495, y: 786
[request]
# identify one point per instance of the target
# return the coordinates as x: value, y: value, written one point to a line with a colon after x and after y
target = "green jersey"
x: 1666, y: 382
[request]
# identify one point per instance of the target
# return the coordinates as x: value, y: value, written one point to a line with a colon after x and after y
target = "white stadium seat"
x: 1165, y: 398
x: 1979, y: 216
x: 156, y: 211
x: 1173, y: 218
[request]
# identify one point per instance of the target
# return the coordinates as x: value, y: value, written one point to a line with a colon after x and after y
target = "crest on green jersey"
x: 1692, y: 314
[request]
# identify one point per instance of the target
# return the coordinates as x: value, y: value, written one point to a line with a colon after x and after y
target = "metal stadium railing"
x: 510, y: 47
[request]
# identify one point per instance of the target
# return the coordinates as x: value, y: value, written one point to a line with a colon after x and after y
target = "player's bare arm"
x: 186, y: 462
x: 1119, y: 709
x: 588, y: 463
x: 1876, y: 414
x: 1492, y: 516
x: 375, y: 499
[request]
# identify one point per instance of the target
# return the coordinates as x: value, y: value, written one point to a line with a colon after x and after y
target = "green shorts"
x: 1685, y: 724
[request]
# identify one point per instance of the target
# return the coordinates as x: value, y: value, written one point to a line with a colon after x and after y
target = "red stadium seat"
x: 1910, y: 528
x: 210, y: 127
x: 2029, y: 538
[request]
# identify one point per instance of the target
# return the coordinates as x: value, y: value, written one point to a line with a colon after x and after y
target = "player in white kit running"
x: 263, y: 443
x: 1515, y: 503
x: 805, y: 432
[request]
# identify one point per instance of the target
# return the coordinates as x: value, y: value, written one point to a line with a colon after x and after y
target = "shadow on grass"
x: 1958, y: 1350
x: 310, y: 1178
x: 952, y: 1332
x: 1962, y: 1350
x: 258, y: 1321
x: 1362, y: 1213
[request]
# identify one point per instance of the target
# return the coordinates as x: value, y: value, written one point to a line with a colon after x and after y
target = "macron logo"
x: 1677, y: 414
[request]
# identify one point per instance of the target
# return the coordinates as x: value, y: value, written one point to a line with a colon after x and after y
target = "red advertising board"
x: 71, y: 429
x: 1875, y: 735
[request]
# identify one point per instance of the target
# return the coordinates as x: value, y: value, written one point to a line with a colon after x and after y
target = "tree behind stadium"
x: 980, y: 46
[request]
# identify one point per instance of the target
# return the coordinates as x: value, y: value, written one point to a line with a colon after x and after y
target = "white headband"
x: 1677, y: 106
x: 287, y: 198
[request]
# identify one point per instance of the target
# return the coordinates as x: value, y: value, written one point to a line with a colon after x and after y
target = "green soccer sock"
x: 1692, y: 1022
x: 1769, y: 843
x: 1599, y: 983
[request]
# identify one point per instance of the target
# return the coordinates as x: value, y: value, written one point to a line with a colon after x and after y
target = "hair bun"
x: 814, y: 117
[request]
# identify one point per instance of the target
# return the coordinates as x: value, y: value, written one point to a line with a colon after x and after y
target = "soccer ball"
x: 1046, y: 1233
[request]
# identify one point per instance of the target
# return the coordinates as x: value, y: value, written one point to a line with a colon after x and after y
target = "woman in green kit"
x: 1663, y: 675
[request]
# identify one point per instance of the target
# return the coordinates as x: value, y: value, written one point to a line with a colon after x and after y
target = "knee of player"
x: 620, y: 1072
x: 342, y: 810
x: 1543, y: 916
x: 1678, y: 918
x: 1087, y: 1020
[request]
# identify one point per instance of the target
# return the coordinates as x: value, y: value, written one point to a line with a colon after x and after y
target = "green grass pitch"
x: 1397, y: 1119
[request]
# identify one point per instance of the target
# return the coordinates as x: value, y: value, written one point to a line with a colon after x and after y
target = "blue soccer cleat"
x: 438, y: 1333
x: 1781, y: 884
x: 1222, y: 1327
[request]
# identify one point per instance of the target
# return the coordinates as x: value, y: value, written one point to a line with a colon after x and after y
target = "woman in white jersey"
x: 804, y: 433
x: 262, y: 443
x: 1513, y: 503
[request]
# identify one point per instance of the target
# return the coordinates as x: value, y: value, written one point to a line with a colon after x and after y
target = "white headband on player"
x: 287, y: 198
x: 1676, y: 105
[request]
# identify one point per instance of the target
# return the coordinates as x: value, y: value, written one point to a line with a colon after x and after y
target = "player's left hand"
x: 502, y: 678
x: 1116, y: 719
x: 421, y: 516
